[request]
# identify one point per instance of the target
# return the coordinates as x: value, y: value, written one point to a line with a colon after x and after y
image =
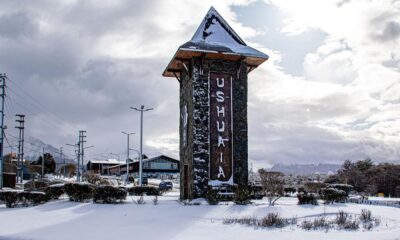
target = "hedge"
x: 331, y: 195
x: 55, y: 191
x: 150, y: 191
x: 79, y: 192
x: 14, y: 197
x: 307, y: 198
x: 109, y: 194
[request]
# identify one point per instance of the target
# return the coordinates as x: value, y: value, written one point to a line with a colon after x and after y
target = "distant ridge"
x: 304, y: 169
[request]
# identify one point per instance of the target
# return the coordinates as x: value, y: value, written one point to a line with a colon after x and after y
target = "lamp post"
x: 141, y: 110
x: 127, y: 156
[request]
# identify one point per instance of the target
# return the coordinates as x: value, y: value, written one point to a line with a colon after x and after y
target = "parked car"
x: 165, y: 185
x: 145, y: 181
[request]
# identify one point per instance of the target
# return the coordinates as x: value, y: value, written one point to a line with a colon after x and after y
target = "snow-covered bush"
x: 341, y: 218
x: 366, y: 215
x: 35, y: 197
x: 36, y: 185
x: 331, y: 195
x: 55, y: 191
x: 344, y: 187
x: 149, y: 191
x: 9, y: 197
x: 79, y: 192
x: 95, y: 179
x: 109, y: 194
x: 273, y: 220
x: 211, y: 196
x: 13, y: 197
x: 242, y: 196
x: 307, y: 198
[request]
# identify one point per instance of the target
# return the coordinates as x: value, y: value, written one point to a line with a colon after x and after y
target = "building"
x: 158, y: 167
x: 98, y: 166
x: 212, y: 71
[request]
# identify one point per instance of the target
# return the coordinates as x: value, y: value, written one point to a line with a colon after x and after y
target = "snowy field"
x: 169, y: 219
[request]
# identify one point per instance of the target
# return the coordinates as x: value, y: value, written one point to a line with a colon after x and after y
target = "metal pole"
x: 127, y: 156
x: 43, y: 164
x: 61, y: 158
x: 141, y: 139
x: 127, y: 160
x: 3, y: 94
x: 141, y: 146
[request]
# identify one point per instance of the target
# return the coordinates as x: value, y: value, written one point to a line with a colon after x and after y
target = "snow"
x: 220, y: 37
x: 171, y: 219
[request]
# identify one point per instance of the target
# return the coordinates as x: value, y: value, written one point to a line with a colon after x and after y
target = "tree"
x: 70, y: 169
x: 49, y: 163
x: 272, y: 183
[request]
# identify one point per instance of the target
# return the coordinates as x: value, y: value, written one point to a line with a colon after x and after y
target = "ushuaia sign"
x: 220, y: 128
x: 212, y: 71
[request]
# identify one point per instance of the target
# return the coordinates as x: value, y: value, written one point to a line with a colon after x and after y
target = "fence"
x: 388, y: 203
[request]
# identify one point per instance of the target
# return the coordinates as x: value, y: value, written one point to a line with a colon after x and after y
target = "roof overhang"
x: 184, y: 55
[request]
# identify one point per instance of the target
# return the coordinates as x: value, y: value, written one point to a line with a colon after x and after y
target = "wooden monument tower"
x: 212, y: 72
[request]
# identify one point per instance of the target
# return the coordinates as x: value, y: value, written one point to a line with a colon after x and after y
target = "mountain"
x: 304, y: 169
x: 33, y: 149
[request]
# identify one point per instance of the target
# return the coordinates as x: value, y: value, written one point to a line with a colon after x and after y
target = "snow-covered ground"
x: 169, y: 219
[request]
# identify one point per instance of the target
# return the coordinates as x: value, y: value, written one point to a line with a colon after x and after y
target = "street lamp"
x: 127, y: 156
x: 77, y: 157
x: 141, y: 110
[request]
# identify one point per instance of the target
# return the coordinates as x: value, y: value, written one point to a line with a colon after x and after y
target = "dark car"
x: 165, y: 185
x: 145, y: 181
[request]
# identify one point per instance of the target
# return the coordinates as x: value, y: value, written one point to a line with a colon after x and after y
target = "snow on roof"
x: 106, y: 161
x: 215, y: 36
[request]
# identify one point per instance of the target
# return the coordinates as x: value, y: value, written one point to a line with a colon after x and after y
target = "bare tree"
x: 272, y: 183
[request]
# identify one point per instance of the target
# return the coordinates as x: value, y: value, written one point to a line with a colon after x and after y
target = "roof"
x: 214, y: 38
x: 106, y: 161
x: 160, y: 156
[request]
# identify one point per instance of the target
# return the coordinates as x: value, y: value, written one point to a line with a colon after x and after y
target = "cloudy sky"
x: 329, y: 92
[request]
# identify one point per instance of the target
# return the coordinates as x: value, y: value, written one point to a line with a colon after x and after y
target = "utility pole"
x: 127, y: 156
x: 20, y: 160
x: 61, y: 158
x: 43, y: 163
x: 141, y: 110
x: 76, y: 148
x: 81, y: 153
x: 2, y: 95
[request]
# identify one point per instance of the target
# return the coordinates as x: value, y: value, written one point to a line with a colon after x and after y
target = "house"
x: 98, y: 166
x: 158, y: 167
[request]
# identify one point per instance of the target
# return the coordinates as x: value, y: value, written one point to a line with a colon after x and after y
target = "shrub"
x: 341, y: 217
x: 320, y: 223
x: 13, y: 197
x: 9, y: 197
x: 331, y: 195
x: 95, y: 179
x: 307, y: 225
x: 108, y: 194
x: 366, y: 215
x: 273, y: 220
x: 36, y: 185
x: 307, y: 198
x: 212, y: 197
x: 37, y: 197
x: 242, y: 196
x: 344, y: 187
x: 149, y: 191
x: 79, y: 192
x: 289, y: 190
x: 351, y: 225
x: 55, y: 191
